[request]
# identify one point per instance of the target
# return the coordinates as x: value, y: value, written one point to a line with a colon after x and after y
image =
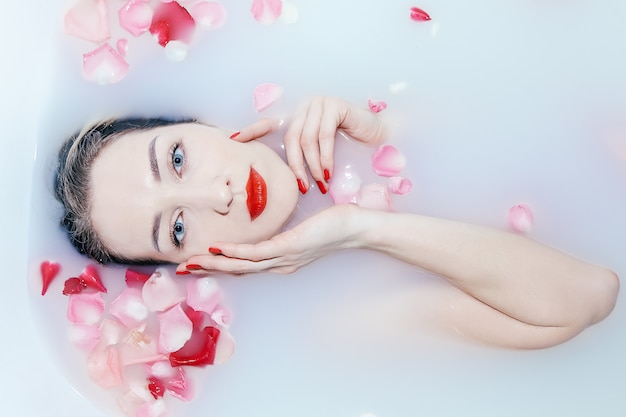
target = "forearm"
x: 519, y: 277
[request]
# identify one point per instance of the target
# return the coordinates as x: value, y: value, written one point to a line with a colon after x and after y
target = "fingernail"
x: 320, y: 184
x: 301, y: 186
x: 183, y: 272
x: 326, y: 175
x: 215, y: 251
x: 234, y: 135
x: 193, y: 267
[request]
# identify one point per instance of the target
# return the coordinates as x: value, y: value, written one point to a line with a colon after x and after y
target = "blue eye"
x: 178, y: 158
x: 178, y: 231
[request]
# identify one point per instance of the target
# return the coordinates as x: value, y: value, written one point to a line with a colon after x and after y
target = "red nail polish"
x: 183, y: 272
x: 320, y: 184
x: 301, y: 186
x: 215, y: 251
x: 326, y: 175
x: 193, y: 267
x: 234, y: 135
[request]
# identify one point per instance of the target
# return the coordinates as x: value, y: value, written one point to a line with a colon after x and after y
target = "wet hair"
x: 73, y: 183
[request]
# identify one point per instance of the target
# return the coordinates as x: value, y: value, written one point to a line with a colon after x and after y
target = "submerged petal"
x: 172, y: 22
x: 266, y: 11
x: 375, y: 196
x: 104, y: 367
x: 175, y: 329
x: 203, y: 294
x: 85, y: 308
x: 345, y: 186
x: 88, y: 20
x: 209, y: 14
x: 136, y: 17
x: 129, y: 308
x: 265, y: 95
x: 400, y: 185
x: 521, y: 218
x: 161, y: 291
x: 388, y: 161
x: 104, y: 65
x: 84, y: 336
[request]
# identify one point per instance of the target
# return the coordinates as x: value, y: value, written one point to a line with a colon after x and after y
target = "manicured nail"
x: 326, y: 175
x: 320, y: 184
x: 234, y: 135
x: 215, y: 251
x: 193, y: 267
x: 301, y: 186
x: 183, y: 272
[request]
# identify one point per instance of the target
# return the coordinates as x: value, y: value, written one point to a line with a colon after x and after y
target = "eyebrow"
x: 154, y: 168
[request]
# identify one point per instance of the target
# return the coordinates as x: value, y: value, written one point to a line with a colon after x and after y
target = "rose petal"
x: 172, y: 22
x: 88, y: 20
x: 152, y: 409
x: 133, y: 277
x: 199, y: 350
x: 104, y: 65
x: 221, y: 316
x: 130, y: 402
x: 49, y: 270
x: 203, y: 294
x: 179, y: 386
x: 122, y: 47
x: 111, y: 332
x: 265, y: 95
x: 419, y: 15
x: 139, y: 347
x: 375, y: 196
x: 387, y: 161
x: 175, y: 329
x: 225, y: 348
x: 521, y: 218
x: 400, y: 185
x: 266, y: 11
x: 176, y: 51
x: 92, y: 279
x: 84, y: 336
x: 209, y: 14
x: 376, y: 106
x: 136, y: 17
x: 86, y: 308
x: 73, y: 285
x: 129, y: 308
x: 104, y: 368
x: 345, y: 186
x: 161, y: 291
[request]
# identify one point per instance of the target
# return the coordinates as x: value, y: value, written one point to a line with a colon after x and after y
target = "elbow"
x: 605, y: 294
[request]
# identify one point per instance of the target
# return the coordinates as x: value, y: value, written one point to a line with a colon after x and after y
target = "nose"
x: 214, y: 194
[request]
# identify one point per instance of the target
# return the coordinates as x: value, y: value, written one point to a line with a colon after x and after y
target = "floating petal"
x: 122, y: 47
x: 129, y: 308
x: 419, y: 15
x: 133, y: 277
x: 175, y: 329
x: 152, y: 409
x: 209, y: 14
x: 139, y: 347
x: 266, y: 11
x: 84, y: 336
x: 88, y: 20
x: 104, y: 65
x: 521, y: 218
x: 265, y: 95
x: 49, y: 271
x: 225, y: 348
x: 388, y: 161
x: 345, y: 186
x: 172, y: 22
x: 73, y: 285
x: 199, y: 350
x: 203, y: 294
x: 91, y: 278
x: 136, y: 17
x: 375, y: 196
x: 161, y: 291
x: 400, y: 185
x: 86, y: 308
x: 179, y: 386
x: 221, y: 316
x: 376, y: 106
x: 104, y: 368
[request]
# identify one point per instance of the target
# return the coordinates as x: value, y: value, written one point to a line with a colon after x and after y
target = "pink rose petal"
x: 172, y: 22
x: 104, y: 368
x: 111, y: 332
x: 209, y: 14
x: 122, y: 47
x: 139, y: 347
x: 345, y: 186
x: 175, y: 329
x: 203, y: 294
x: 85, y: 308
x: 266, y: 11
x: 129, y: 308
x: 376, y: 106
x: 84, y: 336
x: 265, y: 95
x: 179, y: 386
x: 388, y: 161
x: 221, y: 316
x: 400, y: 185
x: 88, y: 20
x: 521, y: 218
x: 161, y: 291
x: 104, y: 65
x: 419, y: 15
x: 136, y: 17
x: 375, y: 196
x: 225, y: 348
x: 156, y: 408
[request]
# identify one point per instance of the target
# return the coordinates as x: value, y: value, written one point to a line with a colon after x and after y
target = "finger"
x: 327, y: 131
x: 256, y: 130
x: 309, y: 140
x: 211, y: 263
x: 257, y: 252
x: 293, y: 149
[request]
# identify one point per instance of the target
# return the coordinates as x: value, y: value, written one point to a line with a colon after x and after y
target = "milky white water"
x: 502, y: 102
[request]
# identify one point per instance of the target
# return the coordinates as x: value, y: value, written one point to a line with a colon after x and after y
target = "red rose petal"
x: 73, y: 285
x: 49, y: 271
x: 170, y: 22
x: 156, y: 387
x: 419, y: 15
x: 136, y: 277
x: 91, y: 278
x: 199, y: 350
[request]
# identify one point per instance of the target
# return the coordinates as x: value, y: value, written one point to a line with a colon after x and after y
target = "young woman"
x: 208, y: 199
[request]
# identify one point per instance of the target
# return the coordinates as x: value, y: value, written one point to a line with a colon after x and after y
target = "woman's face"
x: 171, y: 192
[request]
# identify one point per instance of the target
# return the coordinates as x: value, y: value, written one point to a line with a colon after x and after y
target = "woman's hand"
x: 310, y: 138
x: 330, y: 230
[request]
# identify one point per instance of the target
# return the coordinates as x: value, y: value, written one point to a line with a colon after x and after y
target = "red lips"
x: 257, y: 194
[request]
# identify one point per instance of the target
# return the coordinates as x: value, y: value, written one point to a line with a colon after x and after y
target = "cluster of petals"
x: 156, y: 327
x: 170, y: 23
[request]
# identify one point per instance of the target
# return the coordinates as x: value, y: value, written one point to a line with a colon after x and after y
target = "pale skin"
x: 516, y: 292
